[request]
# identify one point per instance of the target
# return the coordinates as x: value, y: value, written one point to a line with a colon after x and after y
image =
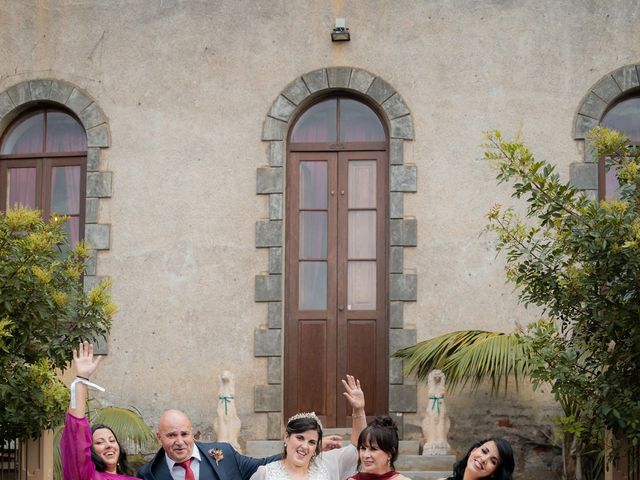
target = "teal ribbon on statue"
x: 226, y: 399
x: 435, y: 403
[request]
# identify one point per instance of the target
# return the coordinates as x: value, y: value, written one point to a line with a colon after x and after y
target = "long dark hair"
x: 383, y: 432
x: 505, y: 467
x: 304, y: 424
x: 122, y: 467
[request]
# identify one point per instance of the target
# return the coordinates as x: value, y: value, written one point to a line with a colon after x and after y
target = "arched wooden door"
x: 336, y: 317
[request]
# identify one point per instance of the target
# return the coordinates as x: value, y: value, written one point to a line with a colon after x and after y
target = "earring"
x: 285, y: 444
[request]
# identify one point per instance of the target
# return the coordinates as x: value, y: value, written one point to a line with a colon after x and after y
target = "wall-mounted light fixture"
x: 340, y: 33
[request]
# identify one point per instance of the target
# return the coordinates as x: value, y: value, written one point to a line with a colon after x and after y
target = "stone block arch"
x: 594, y: 104
x: 268, y: 340
x: 19, y: 97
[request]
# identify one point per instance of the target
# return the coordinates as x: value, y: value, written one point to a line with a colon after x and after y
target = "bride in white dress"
x: 302, y: 459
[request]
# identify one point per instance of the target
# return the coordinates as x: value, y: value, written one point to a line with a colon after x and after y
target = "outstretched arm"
x: 75, y: 444
x: 247, y: 466
x: 85, y: 365
x: 355, y: 395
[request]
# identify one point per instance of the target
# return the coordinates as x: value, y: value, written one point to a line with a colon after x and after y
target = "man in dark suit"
x: 181, y: 458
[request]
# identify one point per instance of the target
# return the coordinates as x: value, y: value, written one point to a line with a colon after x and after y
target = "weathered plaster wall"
x: 186, y: 85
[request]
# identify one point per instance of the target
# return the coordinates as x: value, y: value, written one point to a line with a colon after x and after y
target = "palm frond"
x: 469, y: 356
x: 127, y: 424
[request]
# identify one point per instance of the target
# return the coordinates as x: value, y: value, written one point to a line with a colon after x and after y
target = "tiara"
x: 311, y: 415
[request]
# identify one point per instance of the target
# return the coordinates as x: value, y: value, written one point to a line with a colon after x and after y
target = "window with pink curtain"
x: 313, y: 235
x: 51, y: 144
x: 338, y: 119
x: 65, y: 197
x: 623, y: 117
x: 64, y: 134
x: 358, y: 123
x: 317, y: 124
x: 21, y: 187
x: 362, y: 241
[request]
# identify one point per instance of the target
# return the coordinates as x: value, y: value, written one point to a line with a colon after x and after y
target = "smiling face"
x: 374, y: 460
x: 300, y: 448
x: 106, y: 447
x: 174, y: 434
x: 483, y: 461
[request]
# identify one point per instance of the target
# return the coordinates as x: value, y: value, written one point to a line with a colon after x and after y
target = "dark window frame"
x: 44, y: 162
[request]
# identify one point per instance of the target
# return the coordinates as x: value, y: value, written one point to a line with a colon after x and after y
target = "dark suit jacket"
x: 232, y: 467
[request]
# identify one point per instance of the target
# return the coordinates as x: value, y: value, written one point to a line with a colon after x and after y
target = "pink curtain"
x: 358, y: 123
x: 318, y: 124
x: 65, y: 137
x: 22, y: 187
x: 26, y: 135
x: 72, y: 184
x: 65, y: 197
x: 312, y: 285
x: 313, y: 235
x: 366, y: 130
x: 64, y: 134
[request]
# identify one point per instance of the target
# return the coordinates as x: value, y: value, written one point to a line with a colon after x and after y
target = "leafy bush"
x: 44, y: 313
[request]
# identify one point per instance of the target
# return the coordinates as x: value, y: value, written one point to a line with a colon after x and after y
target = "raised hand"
x: 353, y: 392
x: 355, y: 395
x: 84, y: 361
x: 329, y: 442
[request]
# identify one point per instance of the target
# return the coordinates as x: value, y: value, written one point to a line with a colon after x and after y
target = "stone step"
x: 409, y: 447
x: 343, y: 432
x: 265, y: 448
x: 424, y: 462
x: 421, y: 475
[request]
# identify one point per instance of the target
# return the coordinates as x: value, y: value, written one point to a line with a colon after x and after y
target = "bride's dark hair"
x: 301, y: 425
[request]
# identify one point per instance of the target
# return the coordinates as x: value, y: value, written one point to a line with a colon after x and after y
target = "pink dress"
x: 75, y: 450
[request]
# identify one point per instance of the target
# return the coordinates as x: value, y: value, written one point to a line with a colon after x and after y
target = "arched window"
x: 338, y: 120
x: 43, y: 158
x: 623, y: 116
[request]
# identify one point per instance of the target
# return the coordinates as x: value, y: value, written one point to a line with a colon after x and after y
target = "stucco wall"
x: 185, y: 87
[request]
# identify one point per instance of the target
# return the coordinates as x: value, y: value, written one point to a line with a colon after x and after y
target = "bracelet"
x: 72, y: 389
x: 358, y: 415
x: 83, y: 378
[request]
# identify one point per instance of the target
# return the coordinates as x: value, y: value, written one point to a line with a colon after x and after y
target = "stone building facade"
x: 189, y: 108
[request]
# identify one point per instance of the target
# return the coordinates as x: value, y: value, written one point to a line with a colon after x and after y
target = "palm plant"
x: 128, y: 425
x: 469, y: 356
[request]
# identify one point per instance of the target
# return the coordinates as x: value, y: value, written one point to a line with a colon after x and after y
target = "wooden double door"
x: 336, y: 309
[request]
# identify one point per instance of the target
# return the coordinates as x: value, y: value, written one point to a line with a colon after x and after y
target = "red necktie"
x: 188, y: 473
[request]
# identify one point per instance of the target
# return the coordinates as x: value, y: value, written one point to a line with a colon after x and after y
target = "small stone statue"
x: 435, y: 425
x: 227, y: 424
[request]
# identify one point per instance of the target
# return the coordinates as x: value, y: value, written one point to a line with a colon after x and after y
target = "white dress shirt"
x: 178, y: 472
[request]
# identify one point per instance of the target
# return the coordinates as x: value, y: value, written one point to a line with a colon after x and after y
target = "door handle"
x: 341, y: 308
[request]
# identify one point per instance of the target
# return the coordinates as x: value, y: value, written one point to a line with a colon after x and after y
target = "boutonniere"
x: 216, y: 454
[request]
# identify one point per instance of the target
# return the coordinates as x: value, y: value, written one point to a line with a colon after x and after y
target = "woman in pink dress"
x: 89, y: 453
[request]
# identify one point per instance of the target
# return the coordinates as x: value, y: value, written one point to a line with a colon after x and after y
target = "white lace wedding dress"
x: 337, y: 464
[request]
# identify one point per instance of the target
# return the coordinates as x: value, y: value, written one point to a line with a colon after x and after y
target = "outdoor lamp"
x: 340, y: 33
